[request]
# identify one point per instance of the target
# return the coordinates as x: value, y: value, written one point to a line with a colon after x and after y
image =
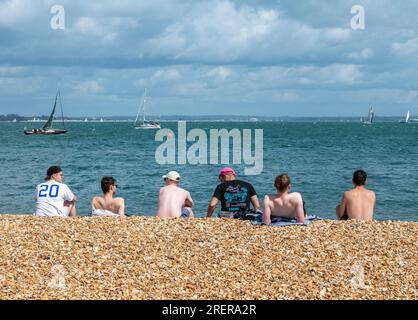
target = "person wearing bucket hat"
x: 54, y: 198
x: 235, y: 195
x: 173, y: 201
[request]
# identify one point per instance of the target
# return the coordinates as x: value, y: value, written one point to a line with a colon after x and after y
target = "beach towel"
x: 103, y: 213
x: 282, y: 222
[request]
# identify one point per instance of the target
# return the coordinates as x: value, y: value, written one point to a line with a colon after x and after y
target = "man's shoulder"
x: 184, y: 191
x: 371, y: 193
x: 296, y: 196
x: 348, y: 193
x: 119, y: 200
x: 243, y: 182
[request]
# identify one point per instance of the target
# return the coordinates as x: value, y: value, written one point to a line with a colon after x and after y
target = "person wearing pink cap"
x: 235, y: 195
x: 173, y: 201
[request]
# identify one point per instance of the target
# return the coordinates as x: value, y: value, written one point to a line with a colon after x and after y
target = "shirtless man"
x: 359, y: 203
x: 173, y: 201
x: 107, y: 205
x: 283, y: 204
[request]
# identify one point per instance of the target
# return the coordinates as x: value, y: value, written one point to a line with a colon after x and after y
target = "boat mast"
x: 62, y: 111
x: 145, y: 100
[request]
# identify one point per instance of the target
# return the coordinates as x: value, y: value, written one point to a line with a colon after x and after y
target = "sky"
x: 247, y: 57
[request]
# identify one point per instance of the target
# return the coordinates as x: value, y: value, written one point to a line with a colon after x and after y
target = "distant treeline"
x: 11, y: 117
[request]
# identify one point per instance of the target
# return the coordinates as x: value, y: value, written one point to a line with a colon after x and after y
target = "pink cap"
x: 225, y: 171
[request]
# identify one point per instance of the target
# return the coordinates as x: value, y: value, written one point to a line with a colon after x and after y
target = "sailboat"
x: 47, y: 128
x: 370, y: 117
x: 407, y: 118
x: 145, y: 124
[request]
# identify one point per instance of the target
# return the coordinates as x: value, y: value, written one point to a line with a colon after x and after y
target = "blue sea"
x: 319, y: 156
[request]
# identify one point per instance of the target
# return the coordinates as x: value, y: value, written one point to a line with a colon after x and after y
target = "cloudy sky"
x: 247, y: 57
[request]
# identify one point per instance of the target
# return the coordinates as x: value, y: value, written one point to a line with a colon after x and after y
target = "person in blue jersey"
x: 235, y: 195
x: 53, y: 197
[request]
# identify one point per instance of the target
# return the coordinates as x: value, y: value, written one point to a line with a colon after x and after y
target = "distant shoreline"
x: 225, y: 119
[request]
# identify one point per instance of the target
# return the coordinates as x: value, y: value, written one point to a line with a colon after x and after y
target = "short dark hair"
x: 51, y: 171
x: 282, y: 181
x: 359, y: 177
x: 106, y: 183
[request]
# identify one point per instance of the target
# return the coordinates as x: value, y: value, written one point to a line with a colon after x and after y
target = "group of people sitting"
x: 54, y: 198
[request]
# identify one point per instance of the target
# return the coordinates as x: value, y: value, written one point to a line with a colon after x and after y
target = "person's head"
x: 109, y: 185
x: 173, y: 177
x: 282, y: 182
x: 359, y: 178
x: 227, y: 174
x: 55, y: 173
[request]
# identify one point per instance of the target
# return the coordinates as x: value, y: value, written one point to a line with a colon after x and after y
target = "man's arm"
x: 121, y: 211
x: 212, y: 206
x: 300, y: 213
x: 254, y: 201
x: 189, y: 201
x: 267, y: 210
x: 341, y: 208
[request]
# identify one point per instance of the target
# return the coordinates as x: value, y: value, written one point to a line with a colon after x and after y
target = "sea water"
x: 320, y: 157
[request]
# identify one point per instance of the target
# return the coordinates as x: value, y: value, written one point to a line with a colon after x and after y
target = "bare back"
x: 115, y: 205
x: 359, y: 204
x: 287, y: 205
x: 171, y: 201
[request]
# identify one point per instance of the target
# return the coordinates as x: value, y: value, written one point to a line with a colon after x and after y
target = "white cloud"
x: 7, y: 71
x: 219, y: 73
x: 411, y: 96
x: 159, y: 77
x: 16, y: 12
x: 89, y: 87
x: 286, y: 97
x: 335, y: 35
x: 107, y: 29
x: 341, y: 73
x: 364, y: 54
x: 407, y: 48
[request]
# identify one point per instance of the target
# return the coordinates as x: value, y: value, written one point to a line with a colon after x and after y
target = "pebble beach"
x: 151, y: 258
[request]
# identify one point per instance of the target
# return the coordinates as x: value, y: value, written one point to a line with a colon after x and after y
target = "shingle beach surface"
x: 151, y: 258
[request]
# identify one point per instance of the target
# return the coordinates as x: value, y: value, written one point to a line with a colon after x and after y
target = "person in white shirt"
x: 54, y: 198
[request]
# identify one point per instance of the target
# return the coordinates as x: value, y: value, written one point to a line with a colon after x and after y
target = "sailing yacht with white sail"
x: 47, y: 128
x: 370, y: 117
x: 145, y: 124
x: 407, y: 118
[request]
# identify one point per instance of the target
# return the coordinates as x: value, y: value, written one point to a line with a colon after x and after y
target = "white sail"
x: 370, y: 116
x: 407, y: 118
x: 145, y: 124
